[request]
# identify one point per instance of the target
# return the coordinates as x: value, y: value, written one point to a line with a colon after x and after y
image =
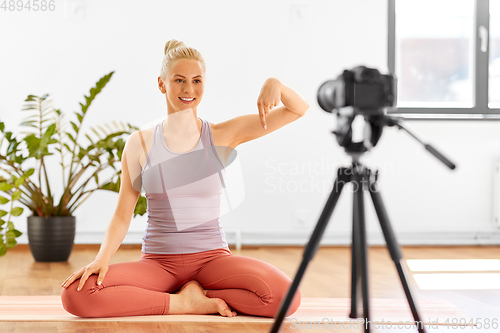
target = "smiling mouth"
x: 184, y: 100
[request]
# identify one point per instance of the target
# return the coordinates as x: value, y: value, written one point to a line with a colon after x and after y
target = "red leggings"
x: 249, y: 286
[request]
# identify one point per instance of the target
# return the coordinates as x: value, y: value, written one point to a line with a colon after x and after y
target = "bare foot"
x: 191, y: 299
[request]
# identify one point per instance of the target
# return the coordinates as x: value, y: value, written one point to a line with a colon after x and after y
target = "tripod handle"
x: 440, y: 156
x: 397, y: 121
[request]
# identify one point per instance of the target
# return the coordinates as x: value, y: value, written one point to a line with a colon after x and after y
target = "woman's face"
x: 185, y: 79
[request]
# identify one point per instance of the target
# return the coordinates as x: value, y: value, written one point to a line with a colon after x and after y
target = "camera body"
x: 363, y: 92
x: 365, y: 89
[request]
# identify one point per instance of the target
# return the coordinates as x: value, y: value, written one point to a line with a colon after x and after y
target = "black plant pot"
x: 51, y: 238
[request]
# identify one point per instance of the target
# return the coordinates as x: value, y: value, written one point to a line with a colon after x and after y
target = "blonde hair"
x: 176, y: 50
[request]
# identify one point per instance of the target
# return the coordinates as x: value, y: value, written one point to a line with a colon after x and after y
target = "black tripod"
x: 362, y: 179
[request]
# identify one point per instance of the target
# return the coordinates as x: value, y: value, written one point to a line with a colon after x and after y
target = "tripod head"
x: 371, y: 134
x: 365, y: 92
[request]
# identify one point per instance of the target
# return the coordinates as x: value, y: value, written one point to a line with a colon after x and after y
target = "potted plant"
x: 23, y: 170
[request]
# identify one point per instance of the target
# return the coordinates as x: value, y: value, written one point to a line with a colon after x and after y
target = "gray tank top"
x: 184, y: 193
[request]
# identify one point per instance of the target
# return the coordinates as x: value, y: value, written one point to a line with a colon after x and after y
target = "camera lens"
x: 326, y: 95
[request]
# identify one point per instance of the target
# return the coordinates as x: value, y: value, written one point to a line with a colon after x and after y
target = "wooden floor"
x: 328, y: 275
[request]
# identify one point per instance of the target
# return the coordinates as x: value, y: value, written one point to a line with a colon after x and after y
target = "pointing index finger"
x: 267, y: 109
x: 262, y: 116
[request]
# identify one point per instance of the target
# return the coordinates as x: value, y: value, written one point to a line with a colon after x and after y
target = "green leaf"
x: 110, y: 143
x: 29, y: 172
x: 2, y: 126
x: 3, y: 200
x: 111, y: 186
x: 31, y: 98
x: 96, y: 133
x: 141, y: 206
x: 3, y: 248
x: 34, y: 126
x: 34, y: 117
x: 51, y: 130
x: 120, y: 144
x: 29, y: 107
x: 33, y: 144
x: 90, y: 139
x: 27, y: 122
x: 82, y: 152
x: 16, y: 211
x: 2, y: 213
x: 5, y: 186
x: 71, y: 137
x: 74, y: 126
x: 19, y: 159
x: 11, y: 243
x: 16, y: 195
x: 19, y: 182
x: 2, y: 222
x: 95, y: 91
x: 13, y: 233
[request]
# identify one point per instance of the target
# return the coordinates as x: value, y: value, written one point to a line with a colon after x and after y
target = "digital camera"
x: 365, y: 89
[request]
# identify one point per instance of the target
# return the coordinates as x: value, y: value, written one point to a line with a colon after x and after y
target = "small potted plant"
x: 23, y: 170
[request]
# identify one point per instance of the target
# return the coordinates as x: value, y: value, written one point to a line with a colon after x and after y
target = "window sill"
x: 437, y: 116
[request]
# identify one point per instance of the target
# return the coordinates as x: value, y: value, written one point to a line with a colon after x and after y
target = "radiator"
x: 496, y: 194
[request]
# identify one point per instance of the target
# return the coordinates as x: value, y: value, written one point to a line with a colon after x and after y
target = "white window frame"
x: 480, y: 110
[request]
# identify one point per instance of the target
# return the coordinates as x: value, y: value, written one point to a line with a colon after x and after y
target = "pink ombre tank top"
x: 184, y: 193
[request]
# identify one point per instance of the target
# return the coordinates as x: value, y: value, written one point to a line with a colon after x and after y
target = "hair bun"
x: 176, y: 50
x: 173, y: 44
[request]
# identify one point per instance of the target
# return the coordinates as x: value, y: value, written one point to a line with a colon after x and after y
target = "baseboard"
x: 301, y: 238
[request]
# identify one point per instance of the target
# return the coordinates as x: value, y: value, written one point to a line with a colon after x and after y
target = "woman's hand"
x: 269, y: 98
x: 97, y: 266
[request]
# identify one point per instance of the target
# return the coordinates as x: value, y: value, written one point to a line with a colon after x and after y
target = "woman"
x: 186, y: 266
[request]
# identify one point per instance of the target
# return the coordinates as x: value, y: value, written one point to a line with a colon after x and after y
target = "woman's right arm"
x: 127, y: 199
x: 120, y: 222
x: 117, y: 230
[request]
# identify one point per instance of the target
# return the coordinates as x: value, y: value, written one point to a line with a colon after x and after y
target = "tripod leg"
x: 362, y: 253
x: 394, y: 249
x: 355, y: 259
x: 313, y: 244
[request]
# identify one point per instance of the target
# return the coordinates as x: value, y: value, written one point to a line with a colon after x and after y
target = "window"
x: 494, y: 71
x: 446, y: 57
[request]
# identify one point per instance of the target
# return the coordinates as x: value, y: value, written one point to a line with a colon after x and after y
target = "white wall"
x: 302, y: 44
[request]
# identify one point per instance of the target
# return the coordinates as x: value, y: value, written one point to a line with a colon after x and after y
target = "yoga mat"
x: 325, y: 310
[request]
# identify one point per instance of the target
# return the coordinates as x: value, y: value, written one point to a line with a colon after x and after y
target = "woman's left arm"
x: 272, y: 93
x: 291, y: 99
x: 252, y: 126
